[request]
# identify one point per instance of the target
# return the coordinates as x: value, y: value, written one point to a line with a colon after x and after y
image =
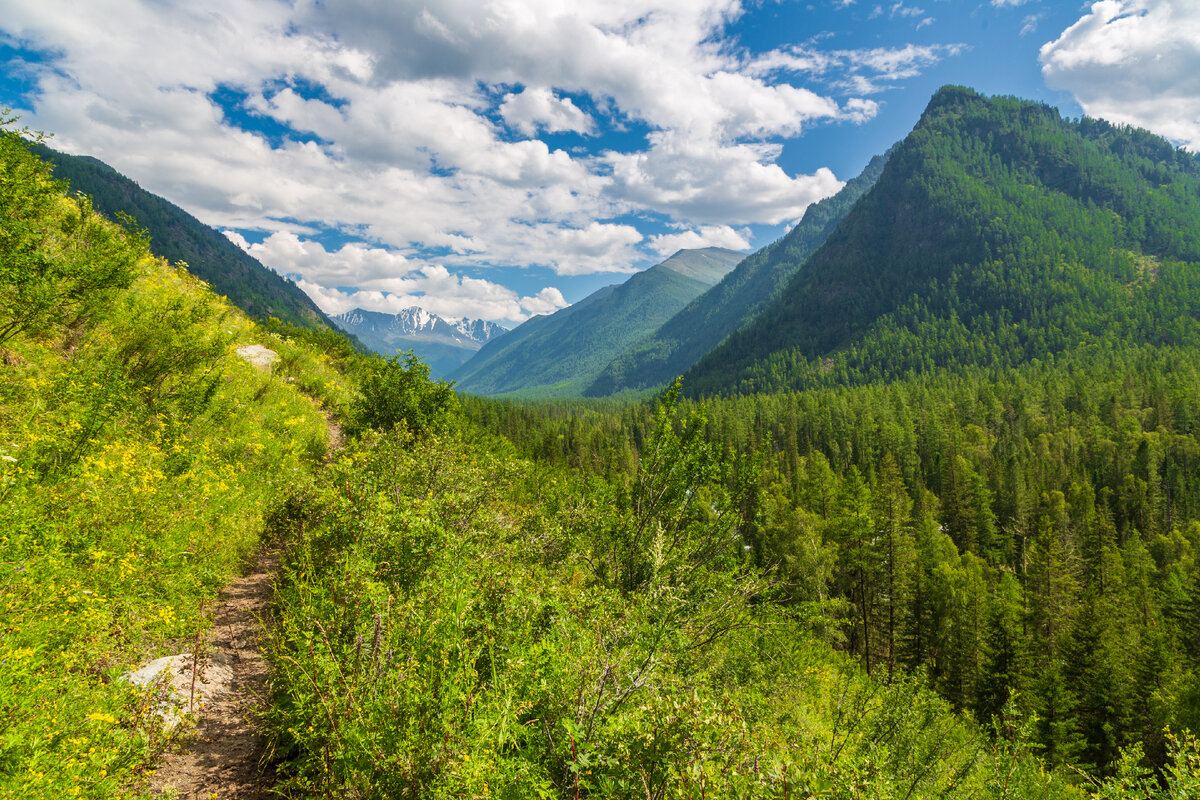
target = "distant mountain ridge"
x: 561, y: 354
x: 736, y: 300
x: 414, y: 321
x: 443, y: 343
x: 998, y: 233
x: 178, y: 236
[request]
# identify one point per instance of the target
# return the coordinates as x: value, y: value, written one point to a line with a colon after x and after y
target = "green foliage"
x: 455, y: 621
x: 341, y: 348
x: 1027, y: 533
x: 138, y: 456
x: 734, y: 302
x: 58, y: 261
x: 397, y: 392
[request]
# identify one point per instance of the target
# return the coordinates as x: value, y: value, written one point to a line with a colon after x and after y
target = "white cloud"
x: 735, y: 185
x: 414, y: 125
x: 1003, y: 3
x: 901, y: 10
x: 1030, y: 23
x: 443, y: 294
x: 667, y: 244
x: 1134, y: 62
x: 358, y: 276
x: 864, y: 71
x: 538, y: 108
x: 547, y: 301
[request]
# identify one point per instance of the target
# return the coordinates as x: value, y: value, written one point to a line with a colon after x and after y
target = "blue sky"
x: 502, y: 158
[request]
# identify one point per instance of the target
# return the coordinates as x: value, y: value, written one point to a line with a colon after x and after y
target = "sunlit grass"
x: 138, y: 457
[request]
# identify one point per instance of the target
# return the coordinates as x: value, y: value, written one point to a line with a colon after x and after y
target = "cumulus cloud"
x: 416, y: 125
x: 735, y: 184
x: 376, y: 279
x: 442, y: 294
x: 547, y: 301
x: 538, y: 108
x: 1135, y: 62
x: 667, y: 244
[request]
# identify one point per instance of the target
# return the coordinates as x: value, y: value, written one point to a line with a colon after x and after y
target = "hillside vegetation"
x: 702, y: 324
x: 998, y: 233
x: 457, y: 622
x: 981, y: 583
x: 138, y: 457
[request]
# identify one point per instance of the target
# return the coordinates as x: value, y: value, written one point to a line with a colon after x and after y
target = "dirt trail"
x: 224, y: 758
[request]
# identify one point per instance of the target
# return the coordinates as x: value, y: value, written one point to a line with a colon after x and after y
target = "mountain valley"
x: 920, y: 520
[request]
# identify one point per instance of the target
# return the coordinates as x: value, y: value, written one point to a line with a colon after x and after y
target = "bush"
x: 397, y: 391
x: 58, y: 260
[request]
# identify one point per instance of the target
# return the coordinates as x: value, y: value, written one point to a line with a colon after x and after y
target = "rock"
x: 261, y: 357
x: 170, y: 678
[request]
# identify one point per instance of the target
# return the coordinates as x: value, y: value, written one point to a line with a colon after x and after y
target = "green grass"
x: 138, y: 457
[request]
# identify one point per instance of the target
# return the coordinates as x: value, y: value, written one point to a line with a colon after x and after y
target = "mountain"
x: 444, y: 344
x: 738, y: 298
x: 494, y: 349
x: 561, y: 354
x: 178, y: 236
x: 998, y: 233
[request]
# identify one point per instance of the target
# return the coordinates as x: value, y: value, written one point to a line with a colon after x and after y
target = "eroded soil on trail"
x: 224, y: 758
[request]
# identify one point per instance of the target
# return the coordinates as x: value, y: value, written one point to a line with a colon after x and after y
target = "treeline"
x: 1029, y: 534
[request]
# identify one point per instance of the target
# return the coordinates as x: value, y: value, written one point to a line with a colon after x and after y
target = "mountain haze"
x: 997, y: 233
x: 178, y: 236
x: 562, y: 353
x: 737, y: 299
x: 444, y: 344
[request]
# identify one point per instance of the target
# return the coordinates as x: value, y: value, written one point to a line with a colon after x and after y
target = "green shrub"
x: 397, y: 391
x: 59, y: 261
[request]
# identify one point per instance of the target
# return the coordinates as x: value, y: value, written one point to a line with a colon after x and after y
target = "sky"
x: 498, y: 159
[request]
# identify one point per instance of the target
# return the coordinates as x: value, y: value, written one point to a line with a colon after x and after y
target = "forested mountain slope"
x: 998, y: 233
x: 1025, y: 539
x: 497, y: 348
x: 561, y: 354
x: 732, y: 303
x: 178, y: 236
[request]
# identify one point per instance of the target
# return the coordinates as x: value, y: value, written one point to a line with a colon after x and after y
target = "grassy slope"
x: 138, y: 457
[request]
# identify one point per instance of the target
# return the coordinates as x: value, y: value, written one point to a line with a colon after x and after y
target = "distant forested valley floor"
x: 926, y: 532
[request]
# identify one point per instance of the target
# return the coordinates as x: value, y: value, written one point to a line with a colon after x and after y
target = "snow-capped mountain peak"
x: 434, y: 338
